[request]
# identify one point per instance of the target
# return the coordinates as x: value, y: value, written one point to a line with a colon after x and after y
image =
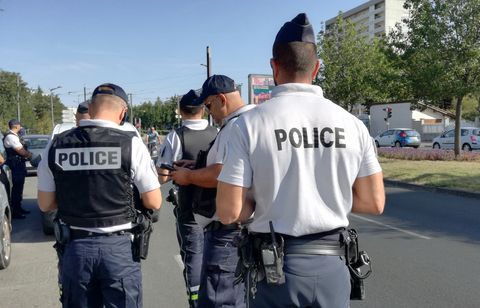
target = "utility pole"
x: 84, y: 93
x: 51, y: 104
x: 18, y: 97
x: 131, y: 108
x: 209, y: 62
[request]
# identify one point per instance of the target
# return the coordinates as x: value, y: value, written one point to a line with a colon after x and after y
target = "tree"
x: 440, y: 51
x: 354, y: 69
x: 160, y: 114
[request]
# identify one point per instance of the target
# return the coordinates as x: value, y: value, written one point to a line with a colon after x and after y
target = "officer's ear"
x: 124, y: 116
x: 223, y: 99
x: 315, y: 70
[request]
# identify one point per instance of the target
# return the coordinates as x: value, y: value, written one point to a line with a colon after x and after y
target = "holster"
x: 141, y: 236
x: 358, y: 263
x: 246, y: 261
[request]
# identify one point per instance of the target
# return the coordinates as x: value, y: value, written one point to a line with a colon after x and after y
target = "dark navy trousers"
x: 310, y: 281
x: 19, y: 172
x: 100, y: 272
x: 218, y: 271
x: 190, y: 240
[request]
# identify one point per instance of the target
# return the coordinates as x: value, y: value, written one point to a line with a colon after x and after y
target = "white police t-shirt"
x: 300, y: 154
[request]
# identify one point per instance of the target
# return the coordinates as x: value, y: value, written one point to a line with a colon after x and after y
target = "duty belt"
x: 217, y: 225
x: 326, y: 248
x: 78, y: 234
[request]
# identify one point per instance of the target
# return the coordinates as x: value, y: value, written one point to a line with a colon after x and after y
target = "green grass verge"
x: 463, y: 175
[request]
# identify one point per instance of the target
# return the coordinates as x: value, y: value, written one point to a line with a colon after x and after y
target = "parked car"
x: 398, y: 137
x: 35, y: 144
x: 5, y: 214
x: 48, y: 217
x: 469, y: 139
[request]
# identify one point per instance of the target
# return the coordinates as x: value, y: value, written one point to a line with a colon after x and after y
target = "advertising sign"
x: 259, y: 88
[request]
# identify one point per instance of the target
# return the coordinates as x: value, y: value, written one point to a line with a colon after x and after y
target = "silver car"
x: 469, y: 139
x: 36, y: 144
x: 5, y: 213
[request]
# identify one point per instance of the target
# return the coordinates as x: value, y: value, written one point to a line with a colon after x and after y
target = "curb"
x: 456, y: 192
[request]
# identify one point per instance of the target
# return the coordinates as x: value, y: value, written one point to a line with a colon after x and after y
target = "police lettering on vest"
x: 91, y: 158
x: 311, y: 138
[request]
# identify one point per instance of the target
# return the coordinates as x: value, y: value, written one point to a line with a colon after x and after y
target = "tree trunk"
x: 458, y: 123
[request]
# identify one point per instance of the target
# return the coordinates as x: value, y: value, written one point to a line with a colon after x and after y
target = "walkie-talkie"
x: 272, y: 257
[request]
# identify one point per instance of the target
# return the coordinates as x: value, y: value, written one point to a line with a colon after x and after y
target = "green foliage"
x: 354, y: 70
x: 35, y: 112
x: 440, y: 51
x: 161, y: 115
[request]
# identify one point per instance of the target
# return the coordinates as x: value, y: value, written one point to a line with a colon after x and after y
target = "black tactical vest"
x: 91, y: 167
x: 14, y: 160
x: 192, y: 141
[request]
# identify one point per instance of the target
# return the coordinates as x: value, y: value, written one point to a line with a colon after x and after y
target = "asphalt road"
x: 425, y: 251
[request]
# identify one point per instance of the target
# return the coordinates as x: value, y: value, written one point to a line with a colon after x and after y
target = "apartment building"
x: 374, y: 18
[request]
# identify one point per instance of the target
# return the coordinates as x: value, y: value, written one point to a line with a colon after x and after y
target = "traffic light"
x: 389, y: 112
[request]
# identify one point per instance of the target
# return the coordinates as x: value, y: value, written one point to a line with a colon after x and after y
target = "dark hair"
x: 296, y: 58
x: 192, y: 110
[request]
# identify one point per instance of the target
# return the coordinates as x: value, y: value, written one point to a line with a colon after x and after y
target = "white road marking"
x: 179, y: 261
x: 391, y: 227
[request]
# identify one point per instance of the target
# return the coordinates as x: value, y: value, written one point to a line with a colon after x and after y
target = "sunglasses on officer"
x: 208, y: 102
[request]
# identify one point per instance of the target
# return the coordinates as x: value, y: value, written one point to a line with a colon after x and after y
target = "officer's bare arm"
x: 152, y: 199
x: 233, y: 204
x: 162, y: 178
x: 47, y: 200
x: 22, y: 152
x: 204, y: 177
x: 369, y: 194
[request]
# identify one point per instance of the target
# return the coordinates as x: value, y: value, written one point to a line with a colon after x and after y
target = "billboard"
x: 259, y: 88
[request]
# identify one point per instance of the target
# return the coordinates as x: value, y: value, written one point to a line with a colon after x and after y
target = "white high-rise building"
x: 68, y: 114
x: 374, y: 18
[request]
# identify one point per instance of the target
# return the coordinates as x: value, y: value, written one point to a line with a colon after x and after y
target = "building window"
x: 379, y: 5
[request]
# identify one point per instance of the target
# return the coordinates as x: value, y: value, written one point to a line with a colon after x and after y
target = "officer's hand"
x: 181, y: 176
x: 185, y: 163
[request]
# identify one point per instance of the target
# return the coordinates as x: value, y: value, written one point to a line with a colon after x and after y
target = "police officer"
x: 89, y: 175
x: 17, y: 154
x: 82, y: 112
x: 309, y: 163
x: 217, y: 289
x: 185, y: 143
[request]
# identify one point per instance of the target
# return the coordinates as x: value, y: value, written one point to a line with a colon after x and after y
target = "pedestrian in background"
x: 309, y: 164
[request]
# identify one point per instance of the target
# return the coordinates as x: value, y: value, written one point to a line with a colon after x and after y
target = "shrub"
x: 426, y: 154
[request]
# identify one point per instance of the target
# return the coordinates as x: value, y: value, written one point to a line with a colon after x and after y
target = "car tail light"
x: 403, y: 134
x: 473, y: 138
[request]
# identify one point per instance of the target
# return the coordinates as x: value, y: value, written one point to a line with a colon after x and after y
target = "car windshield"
x: 37, y: 143
x: 476, y: 132
x: 411, y: 133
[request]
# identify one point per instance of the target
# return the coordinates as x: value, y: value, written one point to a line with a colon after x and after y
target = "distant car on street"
x: 35, y: 144
x: 469, y: 139
x: 398, y: 137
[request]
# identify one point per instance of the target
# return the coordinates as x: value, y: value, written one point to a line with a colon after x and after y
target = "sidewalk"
x: 456, y: 192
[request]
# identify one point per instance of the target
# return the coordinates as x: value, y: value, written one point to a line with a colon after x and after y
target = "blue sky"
x: 150, y: 48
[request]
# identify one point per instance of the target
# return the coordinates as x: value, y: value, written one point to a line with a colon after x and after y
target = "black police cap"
x: 189, y: 99
x: 216, y: 84
x: 298, y: 29
x: 110, y: 89
x: 83, y: 107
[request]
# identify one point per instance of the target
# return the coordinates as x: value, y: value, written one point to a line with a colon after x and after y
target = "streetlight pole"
x: 51, y: 103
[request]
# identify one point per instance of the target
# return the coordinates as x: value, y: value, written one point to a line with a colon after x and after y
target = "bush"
x: 426, y: 154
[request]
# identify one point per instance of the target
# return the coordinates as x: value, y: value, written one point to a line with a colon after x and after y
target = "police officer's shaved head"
x: 108, y: 101
x: 294, y: 50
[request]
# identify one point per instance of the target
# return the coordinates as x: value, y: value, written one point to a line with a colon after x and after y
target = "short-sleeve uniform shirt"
x: 12, y: 141
x: 300, y: 154
x: 217, y: 152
